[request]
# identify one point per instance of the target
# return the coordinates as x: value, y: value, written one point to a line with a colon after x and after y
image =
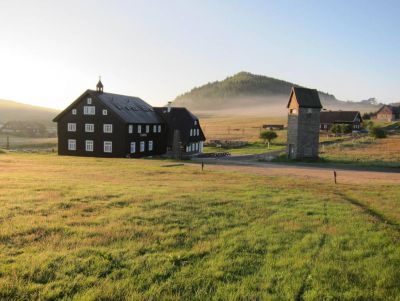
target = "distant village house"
x: 388, y: 113
x: 102, y: 124
x: 24, y: 128
x: 273, y: 127
x: 329, y: 118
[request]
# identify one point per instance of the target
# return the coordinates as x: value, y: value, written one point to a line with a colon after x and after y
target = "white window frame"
x: 89, y: 110
x: 105, y: 112
x: 195, y: 122
x: 139, y: 128
x: 130, y: 129
x: 133, y: 147
x: 89, y: 100
x: 89, y: 127
x: 107, y: 146
x: 154, y: 128
x: 150, y: 145
x: 72, y: 144
x: 159, y: 128
x: 191, y: 132
x: 73, y: 111
x: 71, y: 127
x: 107, y: 128
x: 89, y: 145
x: 142, y: 146
x: 190, y: 148
x: 147, y: 128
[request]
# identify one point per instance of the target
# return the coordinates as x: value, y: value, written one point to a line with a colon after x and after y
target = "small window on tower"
x: 293, y: 111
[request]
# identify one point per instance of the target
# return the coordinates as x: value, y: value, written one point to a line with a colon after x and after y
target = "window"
x: 89, y: 127
x: 159, y: 128
x: 73, y: 111
x: 139, y: 128
x: 198, y: 132
x: 105, y: 112
x: 197, y: 146
x: 89, y: 101
x: 191, y: 132
x: 130, y: 129
x: 187, y: 149
x: 89, y: 110
x: 141, y: 146
x: 107, y: 146
x: 293, y: 111
x: 133, y: 147
x: 89, y: 145
x: 154, y: 128
x: 195, y: 122
x: 150, y: 145
x: 71, y: 144
x: 147, y: 128
x: 71, y: 127
x: 107, y: 128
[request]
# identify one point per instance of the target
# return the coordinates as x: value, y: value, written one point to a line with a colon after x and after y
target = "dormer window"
x: 147, y: 128
x: 89, y: 100
x: 139, y: 128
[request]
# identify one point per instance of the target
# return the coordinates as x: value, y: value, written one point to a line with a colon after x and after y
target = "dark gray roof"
x: 130, y: 109
x: 394, y: 109
x: 307, y: 98
x: 180, y: 119
x: 338, y: 116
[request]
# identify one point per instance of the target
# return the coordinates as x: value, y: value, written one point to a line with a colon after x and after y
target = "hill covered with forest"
x: 246, y: 91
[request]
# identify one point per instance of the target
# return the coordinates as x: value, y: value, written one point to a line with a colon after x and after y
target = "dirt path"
x: 322, y: 173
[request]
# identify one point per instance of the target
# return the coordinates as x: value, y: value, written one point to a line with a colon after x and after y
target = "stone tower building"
x: 303, y: 123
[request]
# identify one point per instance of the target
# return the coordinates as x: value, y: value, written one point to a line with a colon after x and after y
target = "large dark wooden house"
x: 329, y: 118
x: 101, y: 124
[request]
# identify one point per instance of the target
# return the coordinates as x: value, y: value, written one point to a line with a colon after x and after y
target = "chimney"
x: 169, y: 106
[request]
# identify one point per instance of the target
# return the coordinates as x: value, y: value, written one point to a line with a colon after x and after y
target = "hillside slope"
x: 10, y: 110
x: 246, y: 91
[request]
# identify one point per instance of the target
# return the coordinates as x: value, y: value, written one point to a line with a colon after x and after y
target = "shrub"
x: 377, y: 132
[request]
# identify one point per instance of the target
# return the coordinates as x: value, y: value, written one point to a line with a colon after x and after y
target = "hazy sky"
x: 51, y: 51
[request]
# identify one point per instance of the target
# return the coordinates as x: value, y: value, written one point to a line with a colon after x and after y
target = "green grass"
x: 250, y: 149
x: 115, y: 229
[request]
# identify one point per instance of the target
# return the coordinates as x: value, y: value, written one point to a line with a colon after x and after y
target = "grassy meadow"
x: 116, y: 229
x: 366, y: 151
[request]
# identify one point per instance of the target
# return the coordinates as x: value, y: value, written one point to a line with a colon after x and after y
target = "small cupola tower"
x: 99, y: 86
